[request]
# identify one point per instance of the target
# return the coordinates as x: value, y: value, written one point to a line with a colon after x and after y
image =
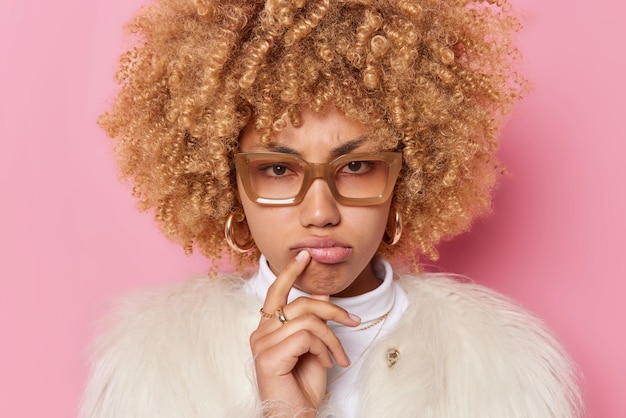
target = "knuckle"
x: 301, y: 300
x: 255, y: 342
x: 310, y: 319
x: 256, y: 336
x: 303, y: 334
x: 262, y: 360
x: 253, y: 338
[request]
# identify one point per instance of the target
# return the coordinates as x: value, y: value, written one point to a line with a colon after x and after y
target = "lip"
x: 324, y: 250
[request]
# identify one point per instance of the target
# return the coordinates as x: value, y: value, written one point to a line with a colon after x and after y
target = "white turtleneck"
x: 387, y: 299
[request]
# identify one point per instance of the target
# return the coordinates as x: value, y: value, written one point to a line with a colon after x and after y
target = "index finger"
x: 279, y: 290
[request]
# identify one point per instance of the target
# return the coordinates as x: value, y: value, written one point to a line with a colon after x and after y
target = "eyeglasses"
x: 274, y: 178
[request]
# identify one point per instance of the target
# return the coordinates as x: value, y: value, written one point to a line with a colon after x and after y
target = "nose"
x: 319, y: 207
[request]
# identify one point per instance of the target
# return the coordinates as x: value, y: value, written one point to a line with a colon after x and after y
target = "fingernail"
x: 354, y: 318
x: 301, y: 255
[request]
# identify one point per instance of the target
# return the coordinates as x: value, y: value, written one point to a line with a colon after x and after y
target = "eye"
x: 356, y: 167
x: 275, y: 169
x: 278, y: 170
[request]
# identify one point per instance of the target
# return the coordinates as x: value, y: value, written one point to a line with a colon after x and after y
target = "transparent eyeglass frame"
x: 314, y: 171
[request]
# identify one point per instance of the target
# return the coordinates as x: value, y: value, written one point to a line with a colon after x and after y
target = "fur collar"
x: 462, y: 351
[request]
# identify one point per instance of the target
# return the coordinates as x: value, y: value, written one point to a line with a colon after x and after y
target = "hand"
x: 291, y: 358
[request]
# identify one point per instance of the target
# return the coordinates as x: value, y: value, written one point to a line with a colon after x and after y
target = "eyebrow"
x: 344, y: 148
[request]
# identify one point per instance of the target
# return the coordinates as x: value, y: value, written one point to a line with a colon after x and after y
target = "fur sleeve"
x: 467, y: 352
x: 177, y: 351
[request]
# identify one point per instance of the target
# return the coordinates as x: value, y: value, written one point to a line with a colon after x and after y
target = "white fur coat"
x: 464, y: 351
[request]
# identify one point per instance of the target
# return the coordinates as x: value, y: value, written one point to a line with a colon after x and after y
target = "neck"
x: 365, y: 282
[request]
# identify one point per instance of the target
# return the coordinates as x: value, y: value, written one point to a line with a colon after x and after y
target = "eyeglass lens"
x: 360, y: 178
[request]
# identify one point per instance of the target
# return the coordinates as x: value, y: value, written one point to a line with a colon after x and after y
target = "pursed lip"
x: 324, y: 250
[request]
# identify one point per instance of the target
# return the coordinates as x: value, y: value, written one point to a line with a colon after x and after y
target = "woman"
x: 320, y: 139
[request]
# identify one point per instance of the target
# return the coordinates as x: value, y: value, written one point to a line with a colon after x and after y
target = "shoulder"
x: 163, y: 348
x: 467, y: 310
x: 172, y: 310
x: 477, y: 353
x: 170, y: 303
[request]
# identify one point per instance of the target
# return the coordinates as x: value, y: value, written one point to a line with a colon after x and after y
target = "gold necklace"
x: 376, y: 322
x: 382, y: 319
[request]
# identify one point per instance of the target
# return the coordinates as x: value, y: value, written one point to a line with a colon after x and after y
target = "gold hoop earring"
x: 393, y: 239
x: 231, y: 234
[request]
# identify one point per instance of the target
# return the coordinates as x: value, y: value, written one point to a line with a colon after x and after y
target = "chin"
x: 319, y: 288
x: 327, y: 280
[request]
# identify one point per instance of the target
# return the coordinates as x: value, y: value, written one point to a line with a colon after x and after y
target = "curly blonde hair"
x: 430, y: 78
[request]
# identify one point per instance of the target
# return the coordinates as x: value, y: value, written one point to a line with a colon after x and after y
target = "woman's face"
x: 341, y: 239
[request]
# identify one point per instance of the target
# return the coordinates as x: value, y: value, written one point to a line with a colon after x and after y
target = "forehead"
x: 318, y: 134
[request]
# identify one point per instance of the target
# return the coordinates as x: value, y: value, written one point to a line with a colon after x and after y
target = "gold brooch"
x: 393, y: 355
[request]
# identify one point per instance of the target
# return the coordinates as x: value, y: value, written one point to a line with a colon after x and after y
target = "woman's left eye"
x: 355, y: 167
x: 278, y: 169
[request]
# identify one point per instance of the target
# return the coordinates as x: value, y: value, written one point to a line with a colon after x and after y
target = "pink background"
x: 71, y: 238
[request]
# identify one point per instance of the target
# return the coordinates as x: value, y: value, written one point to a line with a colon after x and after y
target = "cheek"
x: 364, y: 227
x: 268, y: 225
x: 370, y: 221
